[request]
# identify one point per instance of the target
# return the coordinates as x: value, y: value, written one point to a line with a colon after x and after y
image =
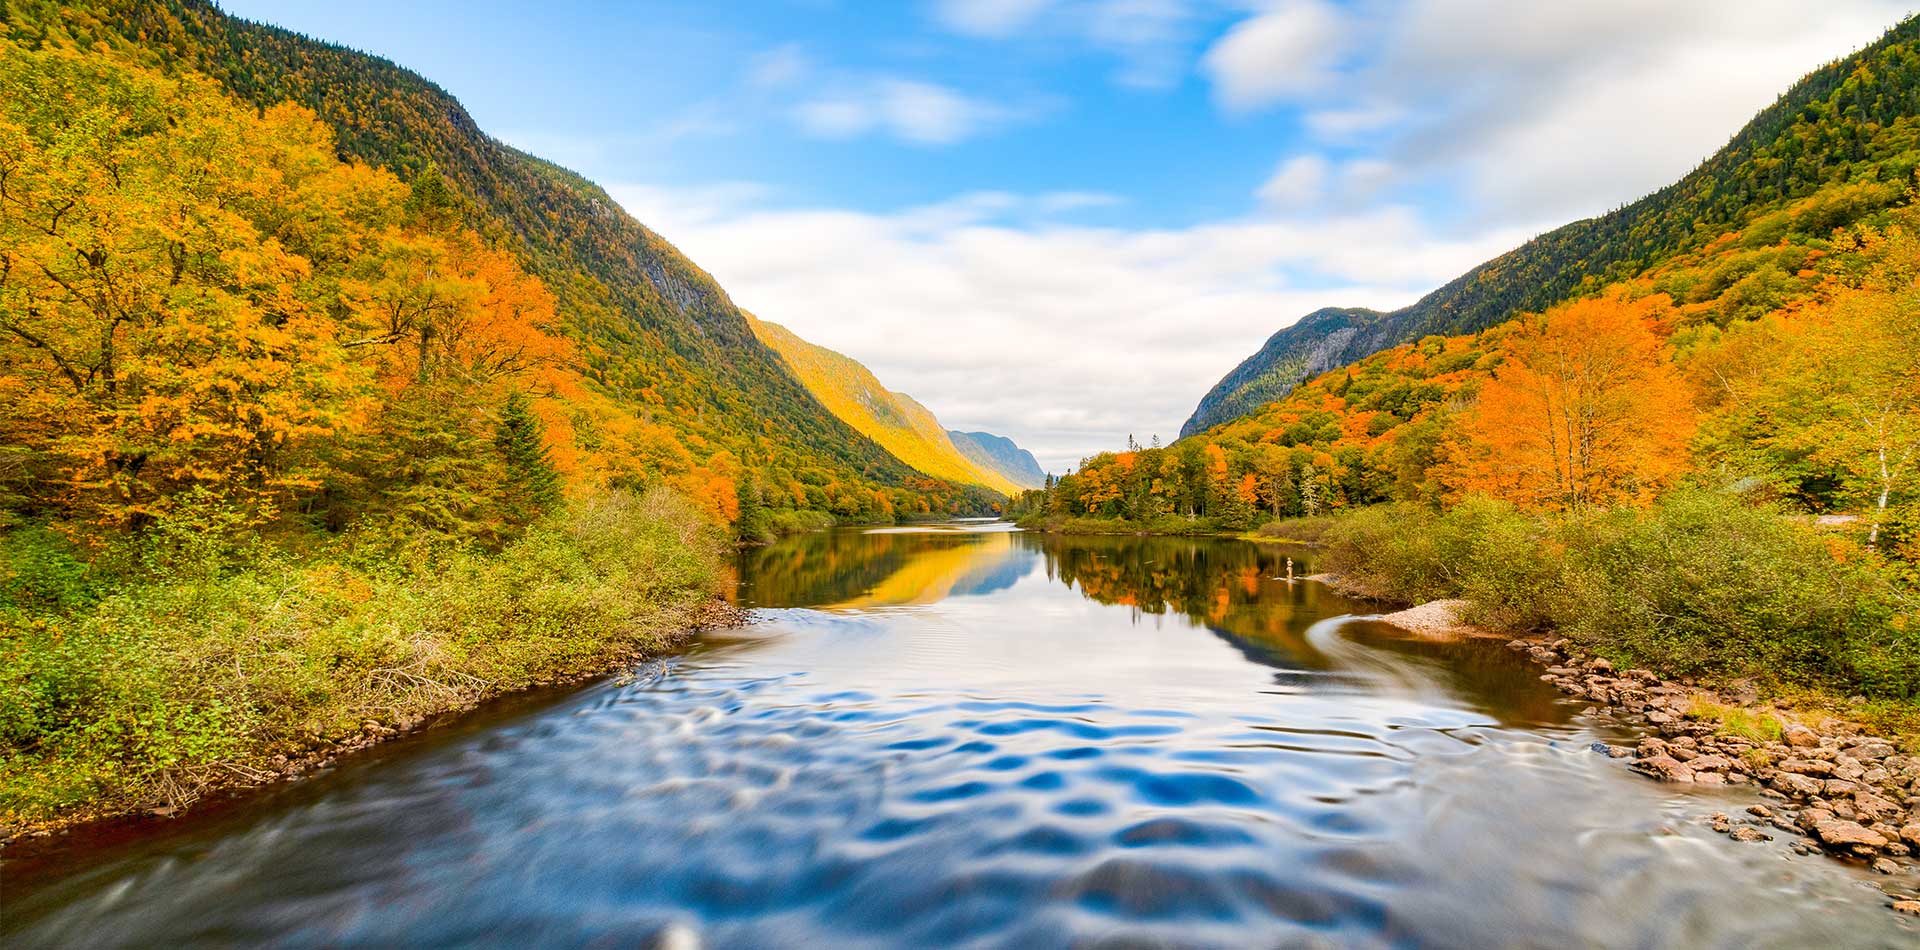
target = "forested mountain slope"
x: 653, y: 331
x: 894, y: 420
x: 1856, y: 120
x: 1000, y: 454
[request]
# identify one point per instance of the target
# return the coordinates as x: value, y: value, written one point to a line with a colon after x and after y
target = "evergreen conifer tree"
x: 532, y: 486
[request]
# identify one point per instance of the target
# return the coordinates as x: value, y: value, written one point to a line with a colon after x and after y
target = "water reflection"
x: 967, y: 736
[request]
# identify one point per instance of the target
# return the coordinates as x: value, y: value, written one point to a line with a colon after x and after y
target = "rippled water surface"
x: 969, y: 736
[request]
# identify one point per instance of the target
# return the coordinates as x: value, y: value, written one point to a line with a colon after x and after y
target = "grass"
x: 1702, y: 584
x: 1736, y: 721
x: 218, y: 653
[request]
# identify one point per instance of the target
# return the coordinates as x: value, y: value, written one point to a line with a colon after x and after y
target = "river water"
x: 966, y: 735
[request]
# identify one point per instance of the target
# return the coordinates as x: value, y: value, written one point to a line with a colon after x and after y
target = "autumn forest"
x: 323, y: 413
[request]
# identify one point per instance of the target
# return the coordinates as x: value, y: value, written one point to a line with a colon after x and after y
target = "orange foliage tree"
x: 1586, y: 411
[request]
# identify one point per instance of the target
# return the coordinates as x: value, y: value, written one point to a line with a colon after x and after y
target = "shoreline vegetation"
x: 202, y: 660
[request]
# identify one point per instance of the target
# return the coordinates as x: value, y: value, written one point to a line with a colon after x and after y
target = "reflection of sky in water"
x: 941, y: 737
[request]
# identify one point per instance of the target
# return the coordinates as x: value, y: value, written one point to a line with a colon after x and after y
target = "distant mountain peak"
x: 1000, y: 454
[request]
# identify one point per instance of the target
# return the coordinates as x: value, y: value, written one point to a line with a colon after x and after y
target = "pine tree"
x: 751, y: 525
x: 430, y: 203
x: 532, y: 485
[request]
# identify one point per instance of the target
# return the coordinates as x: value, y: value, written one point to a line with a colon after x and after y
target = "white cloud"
x: 988, y: 17
x: 1528, y: 109
x: 921, y: 113
x: 1298, y: 182
x: 1119, y: 331
x: 1287, y: 51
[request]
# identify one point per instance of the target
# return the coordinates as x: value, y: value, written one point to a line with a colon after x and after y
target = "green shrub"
x: 1705, y: 584
x: 783, y: 522
x: 140, y: 692
x: 1701, y: 584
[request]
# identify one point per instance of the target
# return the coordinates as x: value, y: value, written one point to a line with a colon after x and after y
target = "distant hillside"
x: 893, y: 420
x: 1853, y: 121
x: 655, y: 332
x: 1308, y: 348
x: 999, y: 454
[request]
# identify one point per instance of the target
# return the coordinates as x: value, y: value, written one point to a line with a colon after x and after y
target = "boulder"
x: 1911, y: 835
x: 1666, y: 768
x: 1835, y: 833
x: 1745, y: 833
x: 1798, y: 786
x: 1875, y: 807
x: 1873, y: 749
x: 1800, y: 737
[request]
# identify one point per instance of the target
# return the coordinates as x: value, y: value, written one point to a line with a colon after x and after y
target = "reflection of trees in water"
x: 861, y: 569
x: 1234, y: 588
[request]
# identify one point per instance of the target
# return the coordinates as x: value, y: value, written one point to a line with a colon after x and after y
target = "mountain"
x: 1851, y: 122
x: 894, y: 420
x: 655, y: 333
x: 999, y: 454
x: 1308, y: 348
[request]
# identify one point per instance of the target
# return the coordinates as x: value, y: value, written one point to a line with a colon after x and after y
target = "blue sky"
x: 1063, y: 220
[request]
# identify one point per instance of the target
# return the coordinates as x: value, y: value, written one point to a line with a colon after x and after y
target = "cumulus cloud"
x: 1533, y: 109
x: 1119, y: 331
x: 1287, y: 51
x: 920, y: 113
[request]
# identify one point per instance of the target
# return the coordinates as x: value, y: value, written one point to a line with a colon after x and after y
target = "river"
x: 966, y: 735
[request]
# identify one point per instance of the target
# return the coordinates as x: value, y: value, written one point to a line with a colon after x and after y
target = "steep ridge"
x: 1851, y: 121
x: 1308, y: 348
x: 656, y: 333
x: 1000, y: 454
x: 894, y: 420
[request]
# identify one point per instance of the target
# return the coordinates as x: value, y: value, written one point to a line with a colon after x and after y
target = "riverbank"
x: 1841, y: 788
x: 1837, y: 790
x: 253, y: 666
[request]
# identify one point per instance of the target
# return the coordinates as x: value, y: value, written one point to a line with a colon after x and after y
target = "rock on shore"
x: 1853, y: 796
x: 1437, y: 619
